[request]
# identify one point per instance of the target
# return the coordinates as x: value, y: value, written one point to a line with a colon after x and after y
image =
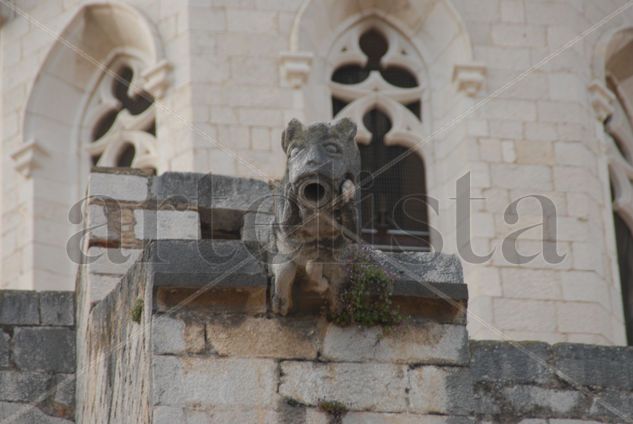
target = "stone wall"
x: 37, y: 357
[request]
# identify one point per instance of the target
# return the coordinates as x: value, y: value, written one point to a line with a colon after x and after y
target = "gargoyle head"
x: 321, y: 158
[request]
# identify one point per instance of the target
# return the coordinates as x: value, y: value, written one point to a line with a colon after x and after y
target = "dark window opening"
x: 126, y: 156
x: 136, y: 104
x: 394, y: 205
x: 375, y: 46
x: 624, y: 243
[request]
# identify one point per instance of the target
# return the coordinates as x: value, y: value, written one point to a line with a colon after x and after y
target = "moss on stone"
x: 137, y: 310
x: 366, y: 297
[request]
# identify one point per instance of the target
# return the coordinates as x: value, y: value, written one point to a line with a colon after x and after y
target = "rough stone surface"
x: 210, y: 263
x: 22, y: 386
x: 27, y: 414
x: 44, y: 349
x: 516, y: 362
x: 379, y: 387
x: 447, y: 390
x: 415, y: 342
x: 213, y: 381
x: 176, y: 336
x: 19, y: 308
x: 4, y: 349
x: 261, y: 337
x: 127, y: 188
x: 166, y: 224
x: 57, y: 308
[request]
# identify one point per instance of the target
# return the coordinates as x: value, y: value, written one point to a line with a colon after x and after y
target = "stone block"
x: 44, y: 349
x: 19, y: 308
x: 263, y: 338
x: 377, y: 387
x: 217, y: 264
x: 595, y: 366
x: 510, y: 362
x: 613, y: 405
x: 57, y: 308
x: 98, y: 224
x: 412, y: 342
x: 441, y: 390
x: 166, y: 224
x: 377, y: 418
x: 127, y: 188
x: 111, y: 261
x: 528, y: 400
x: 22, y: 386
x: 4, y: 349
x: 214, y: 381
x: 19, y: 413
x: 101, y: 286
x: 64, y: 396
x: 175, y: 336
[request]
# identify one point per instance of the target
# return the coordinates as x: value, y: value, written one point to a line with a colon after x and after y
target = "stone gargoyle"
x: 315, y: 209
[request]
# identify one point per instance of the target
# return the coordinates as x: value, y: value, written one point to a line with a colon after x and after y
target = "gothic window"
x: 374, y: 84
x: 619, y: 127
x: 121, y: 129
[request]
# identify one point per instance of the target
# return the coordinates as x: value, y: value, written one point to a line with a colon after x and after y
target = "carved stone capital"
x: 602, y: 100
x: 28, y: 156
x: 155, y: 79
x: 469, y: 77
x: 295, y: 67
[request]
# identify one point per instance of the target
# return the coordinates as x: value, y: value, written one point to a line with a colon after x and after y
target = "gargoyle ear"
x: 292, y: 131
x: 346, y: 128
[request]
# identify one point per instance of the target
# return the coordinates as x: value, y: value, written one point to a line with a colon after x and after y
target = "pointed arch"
x: 72, y: 94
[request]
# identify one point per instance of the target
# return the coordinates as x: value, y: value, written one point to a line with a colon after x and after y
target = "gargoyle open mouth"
x: 314, y: 193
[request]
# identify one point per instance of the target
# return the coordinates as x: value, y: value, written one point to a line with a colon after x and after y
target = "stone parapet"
x: 37, y: 357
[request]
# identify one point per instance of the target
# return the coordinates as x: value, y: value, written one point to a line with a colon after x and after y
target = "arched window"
x: 372, y: 82
x: 620, y: 150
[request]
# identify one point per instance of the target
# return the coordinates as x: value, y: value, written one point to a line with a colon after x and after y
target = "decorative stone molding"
x: 28, y: 156
x: 155, y: 77
x: 295, y: 67
x: 469, y: 77
x: 602, y: 100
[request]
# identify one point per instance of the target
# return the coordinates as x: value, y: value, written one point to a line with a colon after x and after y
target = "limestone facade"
x: 513, y: 91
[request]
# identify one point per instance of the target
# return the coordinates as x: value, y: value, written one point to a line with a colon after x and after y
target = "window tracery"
x: 374, y: 82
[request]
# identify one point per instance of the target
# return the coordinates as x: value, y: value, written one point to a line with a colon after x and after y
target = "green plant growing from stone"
x: 137, y: 311
x: 366, y: 297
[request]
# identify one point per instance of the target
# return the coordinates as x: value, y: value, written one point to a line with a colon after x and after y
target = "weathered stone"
x: 441, y: 390
x: 64, y: 397
x: 166, y: 224
x: 413, y: 267
x: 614, y: 405
x: 414, y: 342
x: 4, y: 349
x: 209, y: 263
x: 596, y: 366
x: 19, y: 308
x: 174, y: 335
x: 527, y: 400
x: 127, y: 188
x: 44, y: 348
x: 116, y: 261
x: 16, y: 386
x: 57, y: 308
x: 377, y: 418
x: 213, y: 381
x: 18, y: 413
x: 510, y: 362
x: 262, y: 337
x: 210, y: 191
x: 378, y: 387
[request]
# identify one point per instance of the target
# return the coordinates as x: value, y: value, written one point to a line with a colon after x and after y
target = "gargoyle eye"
x: 293, y: 151
x: 332, y: 148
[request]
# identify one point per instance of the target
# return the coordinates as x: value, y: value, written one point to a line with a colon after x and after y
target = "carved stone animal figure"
x: 315, y: 209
